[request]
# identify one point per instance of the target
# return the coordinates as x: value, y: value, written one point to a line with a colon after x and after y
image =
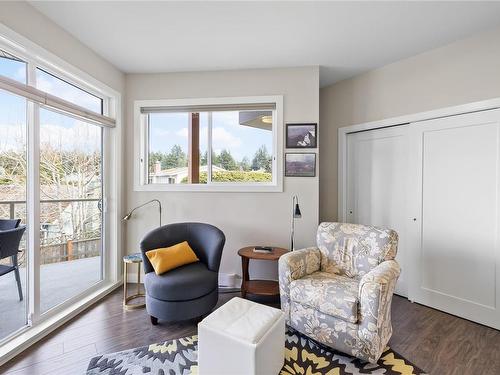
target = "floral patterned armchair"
x: 339, y: 293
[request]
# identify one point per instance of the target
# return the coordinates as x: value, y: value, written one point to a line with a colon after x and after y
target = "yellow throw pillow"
x: 167, y: 258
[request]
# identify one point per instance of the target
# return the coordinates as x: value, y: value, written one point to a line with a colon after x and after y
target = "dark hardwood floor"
x: 437, y: 342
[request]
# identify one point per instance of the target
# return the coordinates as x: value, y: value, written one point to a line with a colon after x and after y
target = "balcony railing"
x: 12, y: 204
x: 57, y: 246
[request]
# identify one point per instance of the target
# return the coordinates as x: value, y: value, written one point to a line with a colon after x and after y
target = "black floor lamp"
x: 296, y: 214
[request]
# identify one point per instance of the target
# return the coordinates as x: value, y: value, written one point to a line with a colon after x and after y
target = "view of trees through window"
x: 70, y: 199
x: 241, y: 151
x: 70, y: 188
x: 13, y: 188
x: 13, y: 147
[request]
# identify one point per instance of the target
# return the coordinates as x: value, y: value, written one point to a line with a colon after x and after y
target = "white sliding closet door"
x: 455, y: 255
x: 377, y: 167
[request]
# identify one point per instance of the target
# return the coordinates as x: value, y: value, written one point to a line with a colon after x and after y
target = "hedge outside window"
x: 210, y: 147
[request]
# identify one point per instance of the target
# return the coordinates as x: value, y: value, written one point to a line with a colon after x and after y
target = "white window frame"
x: 141, y: 147
x: 39, y: 324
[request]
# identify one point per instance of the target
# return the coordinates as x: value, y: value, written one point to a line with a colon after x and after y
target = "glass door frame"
x: 36, y: 57
x: 35, y: 315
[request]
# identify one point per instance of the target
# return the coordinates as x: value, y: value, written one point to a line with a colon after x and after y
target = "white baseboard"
x: 229, y: 280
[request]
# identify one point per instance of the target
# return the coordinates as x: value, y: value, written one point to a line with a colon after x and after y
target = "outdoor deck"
x: 58, y: 282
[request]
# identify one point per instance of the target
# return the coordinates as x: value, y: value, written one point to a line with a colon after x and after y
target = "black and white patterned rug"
x: 302, y: 356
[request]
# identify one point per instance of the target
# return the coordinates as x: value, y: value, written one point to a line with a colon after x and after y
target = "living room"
x: 249, y: 187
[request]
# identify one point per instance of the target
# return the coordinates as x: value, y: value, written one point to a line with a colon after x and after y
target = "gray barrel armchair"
x: 189, y: 291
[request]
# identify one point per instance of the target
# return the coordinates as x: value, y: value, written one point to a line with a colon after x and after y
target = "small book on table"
x: 263, y: 249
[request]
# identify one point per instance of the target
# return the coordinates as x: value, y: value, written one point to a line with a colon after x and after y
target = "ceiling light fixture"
x: 267, y: 119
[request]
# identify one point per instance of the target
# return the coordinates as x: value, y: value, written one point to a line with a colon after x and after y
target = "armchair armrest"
x: 383, y: 274
x: 297, y: 264
x: 375, y: 296
x: 293, y: 266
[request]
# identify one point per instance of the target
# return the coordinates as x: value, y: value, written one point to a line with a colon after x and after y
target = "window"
x: 62, y: 148
x: 58, y: 87
x: 12, y: 67
x: 242, y: 146
x: 226, y: 146
x: 168, y: 148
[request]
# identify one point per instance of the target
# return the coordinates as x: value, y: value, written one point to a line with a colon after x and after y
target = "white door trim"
x: 395, y: 121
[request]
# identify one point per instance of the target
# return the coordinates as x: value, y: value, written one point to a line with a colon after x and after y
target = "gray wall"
x: 245, y: 218
x: 462, y: 72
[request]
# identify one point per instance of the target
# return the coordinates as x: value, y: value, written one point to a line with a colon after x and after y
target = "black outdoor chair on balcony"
x: 9, y: 247
x: 6, y: 224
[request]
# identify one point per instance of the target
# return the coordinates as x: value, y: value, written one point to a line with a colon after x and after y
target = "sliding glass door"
x: 13, y: 177
x: 70, y: 207
x: 52, y: 159
x: 13, y: 193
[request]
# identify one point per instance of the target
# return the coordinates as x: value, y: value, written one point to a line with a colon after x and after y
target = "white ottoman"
x: 241, y: 338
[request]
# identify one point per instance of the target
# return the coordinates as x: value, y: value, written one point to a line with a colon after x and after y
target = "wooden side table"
x: 129, y: 259
x: 258, y: 287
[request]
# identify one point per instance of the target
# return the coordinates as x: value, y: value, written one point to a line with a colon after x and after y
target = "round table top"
x: 247, y: 252
x: 133, y: 258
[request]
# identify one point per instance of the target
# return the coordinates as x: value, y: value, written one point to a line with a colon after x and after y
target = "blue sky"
x: 12, y: 108
x: 168, y: 129
x: 56, y: 129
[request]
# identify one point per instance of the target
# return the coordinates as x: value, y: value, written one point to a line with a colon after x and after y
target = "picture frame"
x: 303, y: 135
x: 300, y: 164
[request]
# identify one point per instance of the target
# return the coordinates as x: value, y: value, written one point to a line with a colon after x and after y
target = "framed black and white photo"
x: 301, y: 135
x: 300, y: 164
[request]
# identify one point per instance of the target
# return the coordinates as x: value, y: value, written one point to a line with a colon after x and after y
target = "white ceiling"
x: 344, y: 38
